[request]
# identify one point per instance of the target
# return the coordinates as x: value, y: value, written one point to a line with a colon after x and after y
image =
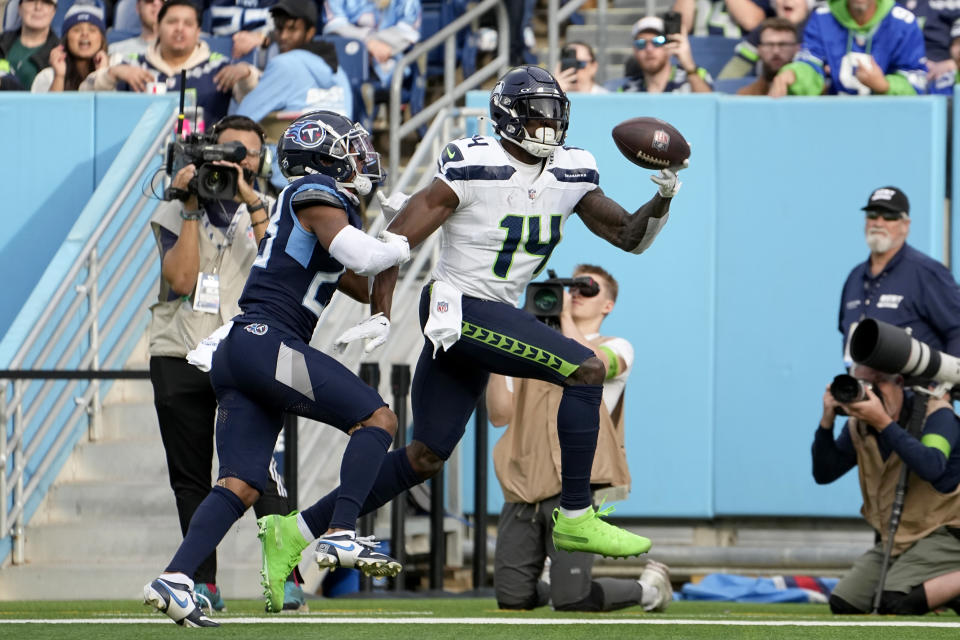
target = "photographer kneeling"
x: 924, y: 567
x: 207, y: 247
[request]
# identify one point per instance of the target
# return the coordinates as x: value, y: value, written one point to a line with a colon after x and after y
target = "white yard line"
x: 507, y: 621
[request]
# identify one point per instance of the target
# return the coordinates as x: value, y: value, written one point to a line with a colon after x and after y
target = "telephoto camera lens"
x: 847, y: 389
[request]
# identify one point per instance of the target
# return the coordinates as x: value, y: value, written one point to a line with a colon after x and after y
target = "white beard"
x: 879, y: 242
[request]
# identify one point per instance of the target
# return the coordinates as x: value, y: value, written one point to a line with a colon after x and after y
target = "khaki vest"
x: 924, y: 508
x: 527, y: 456
x: 175, y: 328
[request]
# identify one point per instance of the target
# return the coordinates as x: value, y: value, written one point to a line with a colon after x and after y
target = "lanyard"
x: 209, y: 227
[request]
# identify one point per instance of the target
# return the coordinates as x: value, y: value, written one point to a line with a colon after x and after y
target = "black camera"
x: 672, y: 23
x: 545, y: 299
x: 212, y: 182
x: 847, y: 389
x: 568, y: 59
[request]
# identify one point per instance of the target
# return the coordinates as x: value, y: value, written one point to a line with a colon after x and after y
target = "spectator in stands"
x: 84, y: 50
x: 210, y: 75
x: 728, y: 18
x: 746, y: 57
x: 897, y: 283
x: 306, y: 76
x: 27, y: 49
x: 937, y: 19
x: 246, y: 21
x: 578, y: 78
x: 866, y: 47
x: 655, y: 72
x: 885, y: 432
x: 8, y: 81
x: 387, y: 27
x: 207, y: 248
x: 526, y: 460
x: 147, y: 10
x: 776, y: 47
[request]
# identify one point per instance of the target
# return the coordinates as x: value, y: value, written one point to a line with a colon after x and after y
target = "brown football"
x: 650, y: 143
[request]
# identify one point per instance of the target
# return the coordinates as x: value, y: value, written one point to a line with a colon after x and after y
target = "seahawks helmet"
x: 329, y: 143
x: 530, y: 93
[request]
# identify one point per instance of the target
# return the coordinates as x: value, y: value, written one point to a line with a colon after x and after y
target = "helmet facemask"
x: 512, y: 113
x: 355, y: 149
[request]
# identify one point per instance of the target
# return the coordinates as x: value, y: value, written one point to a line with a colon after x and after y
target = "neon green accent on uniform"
x: 613, y: 362
x: 516, y: 347
x: 936, y: 441
x: 449, y: 153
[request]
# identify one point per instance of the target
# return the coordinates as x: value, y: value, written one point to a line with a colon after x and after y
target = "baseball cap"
x: 84, y: 13
x: 888, y: 199
x: 650, y: 23
x: 306, y: 10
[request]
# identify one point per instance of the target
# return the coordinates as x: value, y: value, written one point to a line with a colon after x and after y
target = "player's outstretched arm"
x: 423, y: 214
x: 628, y: 231
x: 351, y: 247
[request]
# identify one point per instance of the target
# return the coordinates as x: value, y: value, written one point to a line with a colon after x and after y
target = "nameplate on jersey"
x: 206, y: 298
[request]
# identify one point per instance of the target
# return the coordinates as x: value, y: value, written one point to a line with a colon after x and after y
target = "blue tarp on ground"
x: 734, y: 588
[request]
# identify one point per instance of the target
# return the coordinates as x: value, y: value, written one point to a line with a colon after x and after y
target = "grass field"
x: 464, y: 619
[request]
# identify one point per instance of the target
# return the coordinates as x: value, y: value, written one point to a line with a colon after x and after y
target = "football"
x: 650, y: 143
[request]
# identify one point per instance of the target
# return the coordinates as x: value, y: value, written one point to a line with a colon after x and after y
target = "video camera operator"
x: 924, y: 558
x: 526, y: 460
x: 207, y: 247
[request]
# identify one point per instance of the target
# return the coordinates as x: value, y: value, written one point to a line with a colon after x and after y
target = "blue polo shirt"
x: 914, y: 291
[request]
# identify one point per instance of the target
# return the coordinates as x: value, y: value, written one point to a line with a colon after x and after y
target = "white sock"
x: 304, y: 529
x: 178, y: 578
x: 352, y: 534
x: 573, y: 513
x: 649, y: 596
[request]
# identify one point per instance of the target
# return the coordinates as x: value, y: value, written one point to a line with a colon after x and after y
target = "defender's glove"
x: 374, y: 329
x: 668, y: 181
x: 398, y: 241
x: 391, y: 206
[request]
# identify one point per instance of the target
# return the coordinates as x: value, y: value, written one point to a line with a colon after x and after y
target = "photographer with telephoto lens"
x: 207, y: 247
x: 526, y: 460
x: 903, y: 444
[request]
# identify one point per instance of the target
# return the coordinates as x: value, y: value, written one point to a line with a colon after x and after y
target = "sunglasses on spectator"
x: 656, y: 41
x: 777, y: 45
x: 890, y: 216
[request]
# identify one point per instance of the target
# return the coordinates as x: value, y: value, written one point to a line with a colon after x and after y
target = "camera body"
x: 545, y: 299
x: 568, y: 59
x: 212, y: 182
x: 672, y: 23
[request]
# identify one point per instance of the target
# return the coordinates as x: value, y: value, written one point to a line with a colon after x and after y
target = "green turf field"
x: 464, y: 619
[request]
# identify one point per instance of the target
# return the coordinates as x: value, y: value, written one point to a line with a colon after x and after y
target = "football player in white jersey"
x: 501, y: 205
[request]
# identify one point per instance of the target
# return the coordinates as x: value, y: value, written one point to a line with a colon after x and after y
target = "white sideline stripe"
x: 510, y: 621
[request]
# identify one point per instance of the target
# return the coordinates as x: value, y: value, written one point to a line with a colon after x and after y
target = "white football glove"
x: 667, y: 180
x: 374, y: 329
x: 391, y: 206
x: 397, y: 240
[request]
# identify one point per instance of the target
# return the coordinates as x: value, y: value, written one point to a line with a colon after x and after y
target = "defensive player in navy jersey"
x: 263, y: 366
x: 501, y: 205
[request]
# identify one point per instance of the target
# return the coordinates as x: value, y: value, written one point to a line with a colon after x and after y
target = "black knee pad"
x: 905, y: 604
x: 841, y: 607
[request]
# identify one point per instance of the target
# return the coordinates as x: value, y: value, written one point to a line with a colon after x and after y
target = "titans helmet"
x: 530, y: 93
x: 329, y: 143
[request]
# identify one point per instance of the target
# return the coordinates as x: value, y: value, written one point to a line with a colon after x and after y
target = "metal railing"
x: 557, y: 14
x: 452, y: 91
x: 109, y: 275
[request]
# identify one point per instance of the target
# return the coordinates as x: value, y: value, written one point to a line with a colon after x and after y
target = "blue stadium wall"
x: 732, y: 312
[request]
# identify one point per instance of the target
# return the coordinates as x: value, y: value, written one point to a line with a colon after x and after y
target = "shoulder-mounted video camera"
x: 545, y: 299
x: 213, y: 181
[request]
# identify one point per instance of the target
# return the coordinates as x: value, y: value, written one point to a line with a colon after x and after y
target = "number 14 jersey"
x: 510, y: 217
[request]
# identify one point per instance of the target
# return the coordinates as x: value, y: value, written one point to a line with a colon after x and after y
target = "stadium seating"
x: 712, y: 52
x: 730, y: 85
x: 352, y: 56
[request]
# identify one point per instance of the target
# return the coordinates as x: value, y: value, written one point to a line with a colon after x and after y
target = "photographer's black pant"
x: 186, y: 409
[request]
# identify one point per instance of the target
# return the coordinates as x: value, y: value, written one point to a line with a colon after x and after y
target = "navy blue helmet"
x: 329, y: 143
x: 530, y: 93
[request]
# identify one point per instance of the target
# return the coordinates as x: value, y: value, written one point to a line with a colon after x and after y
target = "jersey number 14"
x: 514, y: 226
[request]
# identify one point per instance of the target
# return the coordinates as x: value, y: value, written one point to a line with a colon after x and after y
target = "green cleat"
x: 590, y: 534
x: 281, y: 544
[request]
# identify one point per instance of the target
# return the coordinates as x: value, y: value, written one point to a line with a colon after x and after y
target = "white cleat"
x: 656, y: 574
x: 177, y: 601
x: 343, y: 550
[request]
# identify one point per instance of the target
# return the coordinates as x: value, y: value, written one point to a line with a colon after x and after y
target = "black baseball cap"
x: 306, y: 10
x: 888, y: 199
